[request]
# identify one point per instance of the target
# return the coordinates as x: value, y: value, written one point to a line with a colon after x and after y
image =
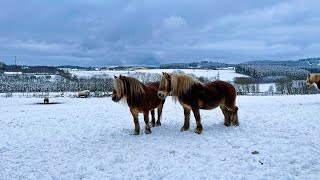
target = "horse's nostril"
x: 160, y: 94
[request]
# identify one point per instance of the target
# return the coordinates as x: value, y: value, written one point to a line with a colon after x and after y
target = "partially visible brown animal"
x: 194, y: 95
x: 46, y: 100
x: 313, y: 78
x: 139, y: 97
x: 159, y: 109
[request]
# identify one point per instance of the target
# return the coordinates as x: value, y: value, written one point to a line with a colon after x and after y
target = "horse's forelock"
x: 119, y: 86
x: 162, y: 83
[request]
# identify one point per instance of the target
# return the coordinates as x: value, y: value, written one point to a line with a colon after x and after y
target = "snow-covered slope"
x: 92, y: 139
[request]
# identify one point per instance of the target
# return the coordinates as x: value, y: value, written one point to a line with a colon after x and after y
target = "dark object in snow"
x: 50, y: 103
x: 261, y: 162
x: 46, y: 100
x: 195, y: 95
x: 140, y: 98
x: 255, y: 152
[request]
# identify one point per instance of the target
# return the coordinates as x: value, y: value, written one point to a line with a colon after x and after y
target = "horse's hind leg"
x: 146, y: 120
x: 196, y: 113
x: 136, y: 122
x: 234, y: 115
x: 153, y: 119
x: 226, y: 114
x: 186, y: 125
x: 158, y: 123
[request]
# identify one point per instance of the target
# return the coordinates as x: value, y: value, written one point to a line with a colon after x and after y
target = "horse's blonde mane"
x: 181, y: 84
x: 136, y: 87
x: 162, y: 82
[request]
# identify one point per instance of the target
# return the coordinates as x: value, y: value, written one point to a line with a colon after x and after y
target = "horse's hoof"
x: 158, y: 124
x: 136, y: 132
x: 226, y: 124
x: 147, y: 131
x: 184, y: 129
x: 153, y: 125
x: 198, y: 131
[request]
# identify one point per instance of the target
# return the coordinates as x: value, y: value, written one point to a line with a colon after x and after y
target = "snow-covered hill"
x: 278, y: 138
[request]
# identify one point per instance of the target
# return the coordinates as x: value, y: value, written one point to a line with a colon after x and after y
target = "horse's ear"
x: 308, y: 75
x: 121, y: 77
x: 115, y: 77
x: 163, y: 73
x: 169, y: 76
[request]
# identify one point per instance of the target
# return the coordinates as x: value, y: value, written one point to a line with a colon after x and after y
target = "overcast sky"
x: 153, y: 32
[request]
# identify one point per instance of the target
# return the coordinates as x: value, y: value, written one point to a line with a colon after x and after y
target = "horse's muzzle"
x: 115, y: 99
x: 161, y: 95
x: 309, y: 85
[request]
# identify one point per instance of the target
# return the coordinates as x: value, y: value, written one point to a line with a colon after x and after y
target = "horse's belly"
x: 187, y: 106
x: 207, y: 106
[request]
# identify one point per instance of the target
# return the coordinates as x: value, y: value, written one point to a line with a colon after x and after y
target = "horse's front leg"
x: 158, y: 123
x: 136, y: 121
x: 196, y: 113
x: 146, y: 120
x: 186, y: 124
x: 153, y: 119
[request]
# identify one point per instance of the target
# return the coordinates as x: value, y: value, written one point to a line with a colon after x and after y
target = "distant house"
x: 25, y: 67
x: 226, y: 68
x: 65, y: 69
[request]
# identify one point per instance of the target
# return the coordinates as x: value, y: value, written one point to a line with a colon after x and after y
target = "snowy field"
x: 278, y: 138
x: 226, y: 75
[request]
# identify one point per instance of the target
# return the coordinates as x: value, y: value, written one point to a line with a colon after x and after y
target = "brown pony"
x: 159, y: 109
x: 139, y: 97
x: 194, y: 95
x: 313, y: 78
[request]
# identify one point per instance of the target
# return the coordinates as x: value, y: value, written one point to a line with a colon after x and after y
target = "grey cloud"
x: 151, y: 32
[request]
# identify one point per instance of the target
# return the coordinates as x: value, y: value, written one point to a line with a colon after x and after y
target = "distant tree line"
x: 104, y: 83
x: 193, y: 65
x: 35, y: 84
x: 45, y: 83
x: 263, y: 71
x: 284, y: 85
x: 34, y: 70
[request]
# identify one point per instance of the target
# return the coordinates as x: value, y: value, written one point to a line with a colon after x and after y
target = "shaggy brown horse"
x: 139, y: 97
x: 194, y: 95
x: 313, y: 78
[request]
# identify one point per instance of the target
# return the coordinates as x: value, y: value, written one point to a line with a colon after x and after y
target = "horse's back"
x: 225, y: 89
x: 150, y: 99
x: 154, y: 84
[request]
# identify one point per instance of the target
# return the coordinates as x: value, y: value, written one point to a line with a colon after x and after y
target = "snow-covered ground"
x: 266, y: 87
x: 92, y: 139
x: 226, y: 75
